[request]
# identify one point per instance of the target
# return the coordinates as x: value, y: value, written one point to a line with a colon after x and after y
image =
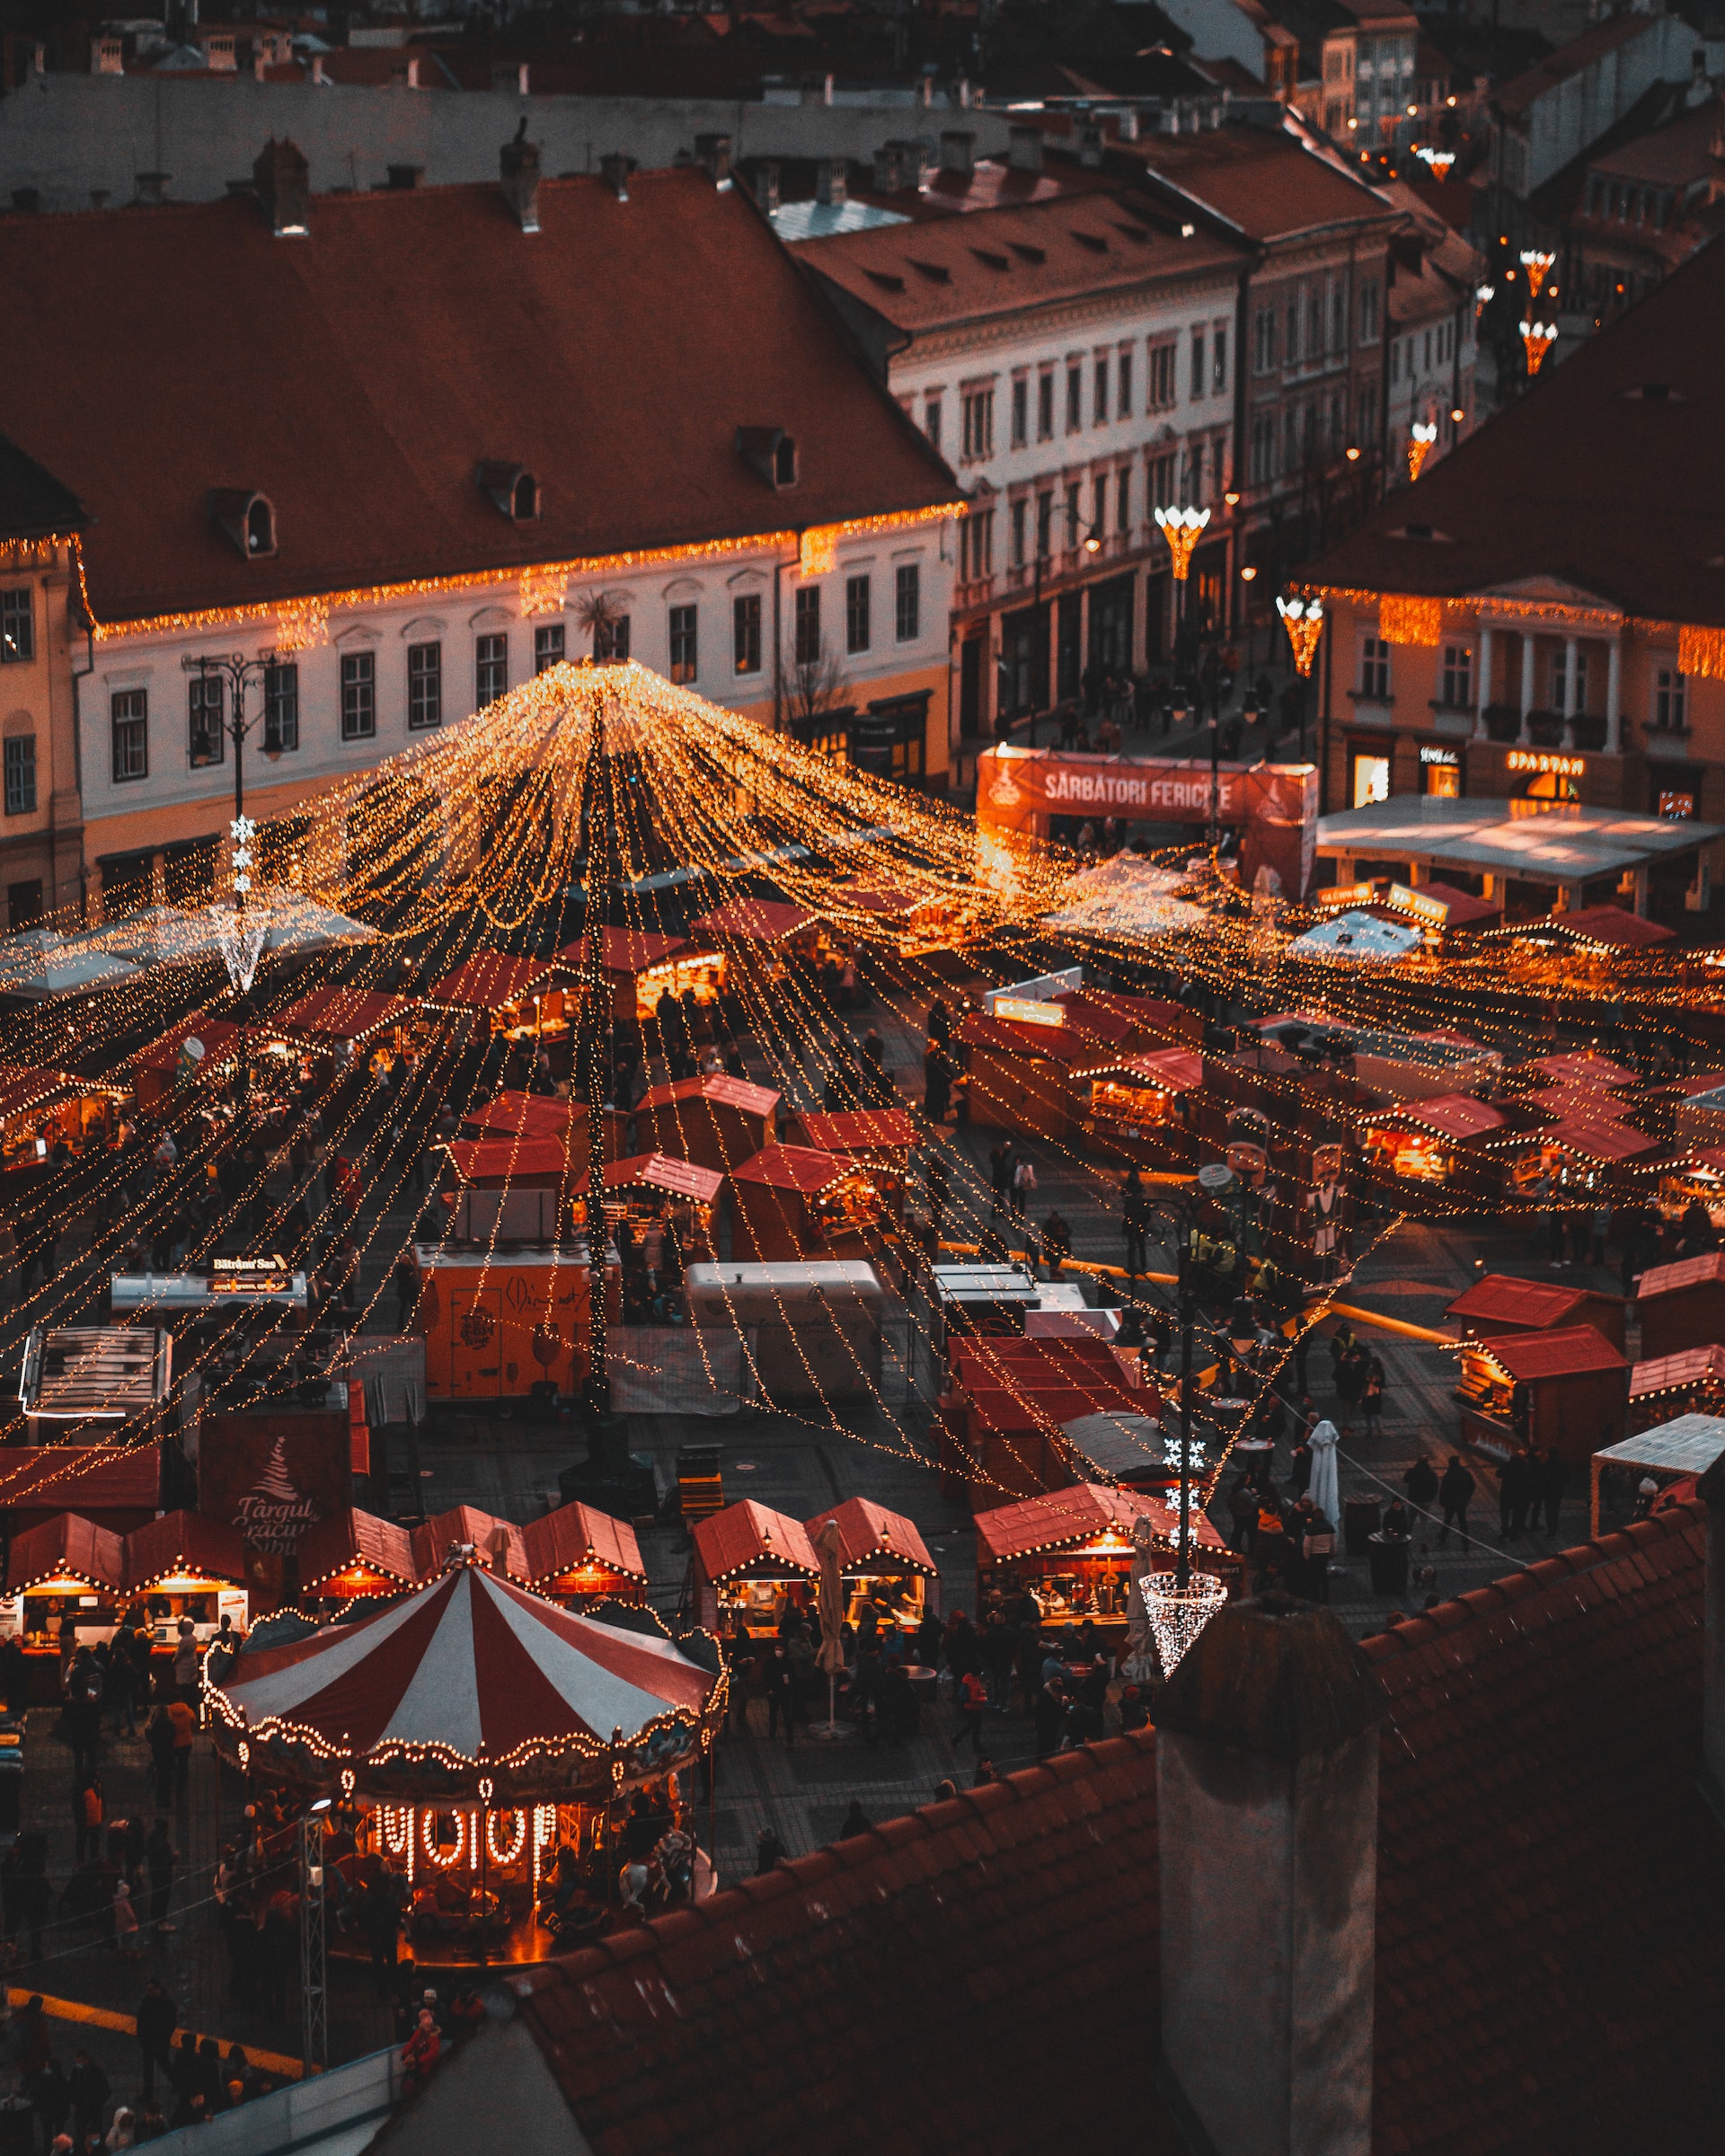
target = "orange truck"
x: 498, y: 1322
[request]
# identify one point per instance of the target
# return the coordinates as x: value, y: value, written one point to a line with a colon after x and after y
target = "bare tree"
x: 600, y: 616
x: 814, y: 687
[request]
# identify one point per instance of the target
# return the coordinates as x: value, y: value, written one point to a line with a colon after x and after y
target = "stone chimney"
x: 615, y: 169
x: 152, y: 189
x: 712, y: 154
x: 283, y: 181
x: 1024, y: 149
x: 1712, y: 1487
x: 958, y: 150
x: 830, y: 183
x: 766, y: 185
x: 1267, y: 1753
x: 518, y: 165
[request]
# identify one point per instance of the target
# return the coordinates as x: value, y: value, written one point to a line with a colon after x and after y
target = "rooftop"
x: 1565, y: 1351
x: 1568, y: 61
x: 1565, y: 843
x: 1263, y: 182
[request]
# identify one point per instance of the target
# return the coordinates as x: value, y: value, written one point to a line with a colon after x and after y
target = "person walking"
x: 973, y: 1697
x: 1024, y: 1186
x: 90, y: 2093
x: 1553, y: 1475
x: 1371, y: 1398
x: 1454, y: 1493
x: 160, y: 1858
x: 1056, y: 1244
x: 154, y: 2021
x: 1000, y: 1653
x: 1243, y: 1512
x: 1135, y: 1220
x: 1421, y: 1484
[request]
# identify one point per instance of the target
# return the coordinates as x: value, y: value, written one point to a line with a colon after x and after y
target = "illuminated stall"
x: 879, y: 1141
x: 201, y: 1051
x: 66, y: 1582
x: 510, y: 1323
x: 789, y: 1202
x: 1012, y: 1077
x: 482, y: 1745
x: 640, y: 965
x: 517, y: 1114
x: 750, y: 1564
x: 912, y: 922
x: 774, y: 925
x: 1692, y: 1381
x: 1568, y: 1389
x: 653, y: 1186
x: 185, y: 1565
x: 1138, y: 1109
x: 1498, y: 1305
x: 350, y: 1556
x: 1072, y: 1550
x: 1697, y: 1178
x: 526, y: 1001
x: 714, y: 1120
x: 1000, y: 1424
x: 39, y: 1108
x: 884, y: 1564
x: 1451, y: 1142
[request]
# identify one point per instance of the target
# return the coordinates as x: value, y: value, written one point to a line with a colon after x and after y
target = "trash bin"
x: 1360, y: 1519
x: 1389, y: 1561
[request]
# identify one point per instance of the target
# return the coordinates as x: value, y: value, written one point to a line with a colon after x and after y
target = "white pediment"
x: 1548, y: 591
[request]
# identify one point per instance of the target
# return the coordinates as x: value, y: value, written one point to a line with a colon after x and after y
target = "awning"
x: 1560, y: 842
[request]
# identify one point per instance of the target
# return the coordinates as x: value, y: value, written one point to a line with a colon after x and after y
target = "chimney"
x: 152, y: 189
x: 1712, y: 1487
x: 1024, y: 149
x: 283, y: 181
x: 886, y: 179
x: 766, y: 185
x: 404, y: 178
x: 318, y: 75
x: 958, y: 150
x: 712, y: 154
x: 615, y: 169
x: 518, y: 161
x: 1090, y: 144
x: 1267, y: 1752
x: 830, y: 186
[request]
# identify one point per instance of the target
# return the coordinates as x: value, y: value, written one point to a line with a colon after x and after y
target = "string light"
x: 1177, y: 1615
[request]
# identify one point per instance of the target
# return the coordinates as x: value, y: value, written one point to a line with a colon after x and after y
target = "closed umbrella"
x: 831, y: 1656
x: 1323, y: 1490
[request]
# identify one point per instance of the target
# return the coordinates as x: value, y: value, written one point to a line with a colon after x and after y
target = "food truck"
x: 715, y: 1120
x: 884, y: 1564
x: 749, y: 1563
x: 1568, y: 1389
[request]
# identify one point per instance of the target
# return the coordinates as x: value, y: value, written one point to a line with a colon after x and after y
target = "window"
x: 976, y: 546
x: 856, y: 613
x: 1074, y: 398
x: 1161, y: 482
x: 1123, y: 499
x: 1021, y: 410
x: 745, y: 633
x: 1374, y: 675
x: 1338, y: 319
x: 1020, y: 513
x: 1123, y: 383
x: 932, y: 421
x: 424, y: 687
x: 1219, y: 357
x: 808, y: 644
x: 978, y: 422
x: 1098, y: 395
x: 1368, y: 310
x: 359, y: 695
x: 1315, y: 327
x: 1371, y: 780
x: 1199, y: 378
x: 1560, y: 681
x: 1458, y: 677
x: 206, y: 701
x: 17, y: 628
x: 1044, y: 525
x: 1669, y: 699
x: 549, y: 644
x: 1263, y: 340
x: 491, y: 668
x: 281, y: 706
x: 130, y: 713
x: 1162, y: 390
x: 907, y: 602
x: 1291, y: 349
x: 611, y: 640
x: 1045, y: 405
x: 1264, y: 449
x: 1072, y: 516
x: 1099, y: 500
x: 21, y: 775
x: 684, y: 651
x: 1291, y: 439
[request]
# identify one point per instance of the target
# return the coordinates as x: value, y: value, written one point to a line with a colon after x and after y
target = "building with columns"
x: 1542, y: 616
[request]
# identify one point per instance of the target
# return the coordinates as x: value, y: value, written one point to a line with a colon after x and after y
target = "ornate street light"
x: 1304, y: 621
x: 1538, y: 264
x: 1182, y: 529
x: 1537, y: 339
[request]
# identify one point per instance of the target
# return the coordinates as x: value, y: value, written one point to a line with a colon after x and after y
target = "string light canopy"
x: 1538, y: 338
x: 1420, y: 437
x: 1538, y: 264
x: 1182, y: 529
x: 1304, y: 621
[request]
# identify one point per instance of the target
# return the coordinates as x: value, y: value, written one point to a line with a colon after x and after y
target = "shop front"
x: 183, y: 1567
x: 889, y: 1578
x: 750, y: 1565
x: 640, y: 965
x: 791, y: 1202
x: 66, y: 1586
x: 201, y: 1055
x: 655, y: 1187
x: 1141, y: 1109
x: 578, y: 1557
x: 40, y: 1109
x: 352, y: 1556
x: 1567, y: 1390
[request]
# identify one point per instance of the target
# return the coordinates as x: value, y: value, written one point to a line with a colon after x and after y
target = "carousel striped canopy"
x: 472, y: 1670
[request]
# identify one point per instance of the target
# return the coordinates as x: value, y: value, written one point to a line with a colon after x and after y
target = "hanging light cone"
x: 1537, y: 339
x: 1304, y: 621
x: 1177, y: 1615
x: 1538, y: 264
x: 1182, y: 529
x: 1419, y: 441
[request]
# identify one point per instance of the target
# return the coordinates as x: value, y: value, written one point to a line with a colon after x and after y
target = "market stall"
x: 1682, y: 1305
x: 578, y: 1556
x: 889, y: 1577
x: 1568, y: 1389
x: 750, y: 1565
x: 93, y: 1383
x: 115, y: 1487
x: 1673, y: 1455
x: 40, y: 1109
x: 201, y: 1051
x: 1452, y: 1143
x: 1001, y: 1422
x: 1012, y: 1076
x: 895, y: 918
x: 1498, y: 1305
x: 1073, y: 1552
x: 515, y: 1115
x: 1697, y: 1178
x: 1139, y: 1109
x: 482, y: 1745
x: 185, y: 1565
x: 1692, y: 1381
x: 714, y: 1120
x: 812, y: 1327
x: 640, y: 965
x: 771, y: 922
x: 350, y: 1556
x: 66, y: 1583
x: 877, y: 1142
x: 525, y: 1002
x: 496, y: 1543
x: 789, y: 1202
x: 680, y: 1194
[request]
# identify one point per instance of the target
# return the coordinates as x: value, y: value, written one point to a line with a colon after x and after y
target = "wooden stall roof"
x: 1676, y: 1372
x: 1569, y: 1351
x: 1045, y: 1382
x: 342, y: 1013
x: 1601, y: 1137
x: 867, y: 1530
x: 81, y: 1478
x: 1503, y: 1299
x: 748, y: 1536
x: 1174, y: 1069
x: 185, y: 1543
x: 976, y: 1030
x: 755, y: 921
x: 218, y: 1035
x: 1450, y: 1115
x: 1612, y: 925
x: 524, y: 1114
x: 352, y: 1537
x: 625, y: 951
x: 1685, y: 1272
x: 468, y: 1523
x: 66, y: 1546
x: 659, y: 1171
x: 23, y: 1088
x: 858, y: 1130
x: 491, y: 978
x: 1064, y: 1518
x: 890, y: 901
x: 1584, y: 1067
x: 1461, y: 908
x: 576, y: 1534
x: 791, y: 1168
x: 748, y: 1098
x: 472, y: 1158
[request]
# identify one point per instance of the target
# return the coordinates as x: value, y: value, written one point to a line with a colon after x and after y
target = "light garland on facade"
x: 1304, y: 621
x: 1407, y: 618
x: 1182, y: 529
x: 1701, y: 651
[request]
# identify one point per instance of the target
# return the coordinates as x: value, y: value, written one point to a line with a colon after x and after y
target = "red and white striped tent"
x: 472, y: 1690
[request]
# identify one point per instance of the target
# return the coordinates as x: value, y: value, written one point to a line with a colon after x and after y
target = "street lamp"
x: 1304, y: 621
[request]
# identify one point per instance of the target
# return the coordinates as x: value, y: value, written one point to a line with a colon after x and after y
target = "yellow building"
x: 40, y: 656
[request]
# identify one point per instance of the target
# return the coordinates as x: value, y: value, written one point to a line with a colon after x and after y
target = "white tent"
x: 1688, y: 1444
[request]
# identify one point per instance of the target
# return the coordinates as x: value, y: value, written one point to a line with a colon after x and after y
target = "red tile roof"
x: 1567, y: 1351
x: 866, y: 1529
x: 681, y: 1178
x: 342, y: 1013
x: 185, y: 1543
x: 1502, y: 1299
x: 218, y: 1035
x: 1514, y: 503
x: 1266, y: 184
x: 746, y: 1534
x: 576, y: 1534
x: 791, y: 1168
x: 1687, y: 1272
x: 390, y: 329
x: 1078, y: 1514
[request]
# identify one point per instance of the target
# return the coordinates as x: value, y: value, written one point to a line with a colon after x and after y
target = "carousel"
x: 488, y: 1756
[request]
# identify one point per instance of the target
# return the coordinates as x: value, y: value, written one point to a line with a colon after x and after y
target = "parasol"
x: 1323, y: 1490
x: 831, y: 1655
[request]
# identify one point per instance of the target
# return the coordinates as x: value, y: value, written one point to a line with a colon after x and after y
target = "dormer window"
x: 512, y: 488
x: 247, y: 518
x: 770, y: 452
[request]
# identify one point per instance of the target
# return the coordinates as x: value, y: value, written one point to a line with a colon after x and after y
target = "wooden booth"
x: 772, y: 923
x: 201, y: 1051
x: 511, y: 1189
x: 1682, y: 1305
x: 1568, y: 1389
x: 1692, y: 1381
x: 715, y: 1120
x: 66, y: 1586
x: 639, y: 966
x: 578, y: 1556
x: 786, y: 1200
x: 750, y: 1563
x: 1012, y: 1079
x: 877, y: 1141
x: 654, y: 1186
x: 351, y: 1556
x: 1139, y: 1109
x: 1001, y: 1422
x: 1451, y: 1142
x: 497, y: 1324
x: 1500, y: 1305
x: 39, y: 1108
x: 896, y: 917
x: 1073, y: 1552
x: 527, y: 1001
x: 814, y: 1324
x: 884, y: 1564
x: 343, y: 1029
x: 186, y: 1565
x: 1696, y: 1178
